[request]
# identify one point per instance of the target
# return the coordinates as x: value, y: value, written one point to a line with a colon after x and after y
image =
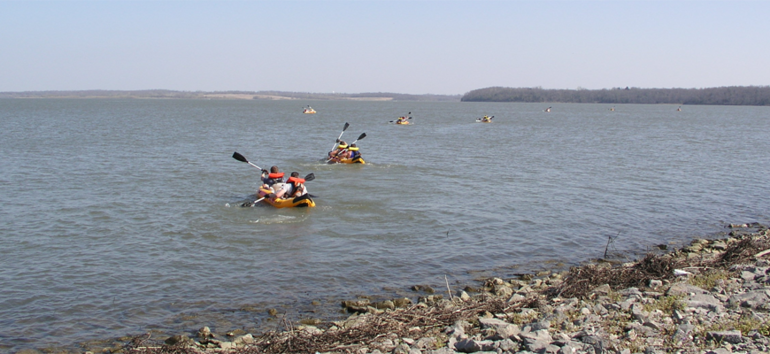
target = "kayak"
x: 299, y: 202
x: 483, y: 121
x: 403, y: 122
x: 347, y: 160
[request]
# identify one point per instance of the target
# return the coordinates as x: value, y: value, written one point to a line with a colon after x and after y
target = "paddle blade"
x: 309, y: 177
x: 345, y: 127
x: 240, y: 157
x: 363, y: 135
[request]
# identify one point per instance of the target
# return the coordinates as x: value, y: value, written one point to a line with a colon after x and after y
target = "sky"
x: 355, y: 46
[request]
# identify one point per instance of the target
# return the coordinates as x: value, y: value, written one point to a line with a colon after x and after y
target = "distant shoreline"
x: 227, y: 95
x: 726, y: 96
x: 723, y: 96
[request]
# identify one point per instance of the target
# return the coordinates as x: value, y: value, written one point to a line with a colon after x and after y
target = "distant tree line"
x: 732, y: 95
x: 208, y: 95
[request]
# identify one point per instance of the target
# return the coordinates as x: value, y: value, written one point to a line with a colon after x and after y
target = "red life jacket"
x: 275, y: 175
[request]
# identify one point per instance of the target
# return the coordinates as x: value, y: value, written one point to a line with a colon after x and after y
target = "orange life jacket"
x: 275, y: 175
x: 296, y: 180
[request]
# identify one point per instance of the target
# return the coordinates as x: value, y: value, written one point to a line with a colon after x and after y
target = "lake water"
x: 122, y: 216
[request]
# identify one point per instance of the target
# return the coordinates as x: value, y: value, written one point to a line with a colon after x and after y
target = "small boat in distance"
x: 309, y: 110
x: 679, y: 109
x: 404, y: 120
x: 548, y: 109
x: 485, y: 119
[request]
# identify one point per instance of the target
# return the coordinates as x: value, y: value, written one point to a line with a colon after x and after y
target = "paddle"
x: 240, y: 158
x: 253, y: 203
x: 340, y: 137
x: 363, y: 135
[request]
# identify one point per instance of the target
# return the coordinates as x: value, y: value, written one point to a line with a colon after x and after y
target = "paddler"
x: 296, y: 185
x: 273, y: 180
x: 338, y: 152
x: 353, y: 152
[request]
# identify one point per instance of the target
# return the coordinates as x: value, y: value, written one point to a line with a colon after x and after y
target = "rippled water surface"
x: 122, y: 216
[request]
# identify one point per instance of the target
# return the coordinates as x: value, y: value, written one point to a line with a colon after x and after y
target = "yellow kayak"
x: 347, y: 160
x: 299, y: 202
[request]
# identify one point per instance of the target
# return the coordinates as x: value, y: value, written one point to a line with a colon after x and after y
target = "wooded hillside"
x: 733, y: 95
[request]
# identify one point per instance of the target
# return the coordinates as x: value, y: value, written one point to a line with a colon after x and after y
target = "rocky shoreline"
x: 712, y: 296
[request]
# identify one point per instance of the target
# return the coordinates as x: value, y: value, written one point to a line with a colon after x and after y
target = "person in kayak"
x: 272, y: 178
x: 339, y: 152
x: 296, y: 186
x: 353, y: 152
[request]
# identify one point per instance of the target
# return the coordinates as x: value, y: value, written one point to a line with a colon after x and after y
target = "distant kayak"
x: 485, y: 119
x: 403, y: 120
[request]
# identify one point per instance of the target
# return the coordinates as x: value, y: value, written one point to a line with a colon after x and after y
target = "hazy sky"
x: 419, y: 46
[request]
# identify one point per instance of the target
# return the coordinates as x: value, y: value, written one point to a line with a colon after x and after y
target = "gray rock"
x: 457, y: 330
x: 445, y: 350
x: 733, y: 337
x: 569, y: 348
x: 502, y: 329
x: 544, y: 324
x: 244, y: 339
x: 719, y: 351
x: 204, y: 334
x: 683, y: 332
x: 517, y: 298
x: 602, y: 289
x: 227, y: 345
x: 637, y: 310
x: 599, y: 344
x: 632, y: 291
x: 600, y: 310
x: 704, y: 301
x: 752, y: 299
x: 468, y: 345
x: 550, y: 349
x: 685, y: 289
x: 536, y: 340
x: 464, y: 296
x: 507, y: 345
x: 402, y: 348
x: 180, y: 340
x: 748, y: 276
x: 626, y: 305
x: 503, y: 291
x: 425, y: 342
